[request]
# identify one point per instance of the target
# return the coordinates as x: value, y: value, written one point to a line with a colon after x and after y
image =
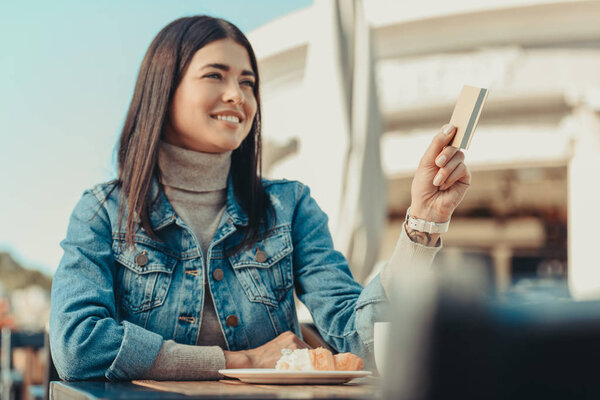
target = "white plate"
x: 275, y: 376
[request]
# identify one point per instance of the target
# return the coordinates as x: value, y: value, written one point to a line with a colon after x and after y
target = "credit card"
x: 466, y: 114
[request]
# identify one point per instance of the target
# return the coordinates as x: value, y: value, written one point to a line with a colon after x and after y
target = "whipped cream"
x: 297, y: 360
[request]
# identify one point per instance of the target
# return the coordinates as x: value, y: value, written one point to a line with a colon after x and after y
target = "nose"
x: 233, y: 94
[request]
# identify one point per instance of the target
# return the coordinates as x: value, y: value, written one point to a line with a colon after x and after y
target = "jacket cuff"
x: 372, y: 306
x: 136, y: 355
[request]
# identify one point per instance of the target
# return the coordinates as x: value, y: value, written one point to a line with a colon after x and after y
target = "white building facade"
x: 535, y: 199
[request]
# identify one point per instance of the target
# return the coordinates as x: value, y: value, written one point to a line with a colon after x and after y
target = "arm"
x: 343, y: 312
x: 413, y: 250
x: 422, y: 238
x: 86, y: 340
x: 179, y: 362
x: 439, y: 185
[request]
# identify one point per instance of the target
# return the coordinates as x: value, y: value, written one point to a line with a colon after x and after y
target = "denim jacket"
x: 113, y: 305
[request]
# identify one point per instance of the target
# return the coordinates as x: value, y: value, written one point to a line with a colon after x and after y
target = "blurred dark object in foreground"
x: 451, y: 339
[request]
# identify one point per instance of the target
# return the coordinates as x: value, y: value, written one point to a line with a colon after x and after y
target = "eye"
x: 248, y: 82
x: 214, y: 75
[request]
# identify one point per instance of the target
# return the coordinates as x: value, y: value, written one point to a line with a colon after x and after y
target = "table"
x: 359, y: 389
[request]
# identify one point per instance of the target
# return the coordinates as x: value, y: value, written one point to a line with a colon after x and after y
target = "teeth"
x: 229, y: 118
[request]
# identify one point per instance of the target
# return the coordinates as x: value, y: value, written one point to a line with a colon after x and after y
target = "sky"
x: 67, y: 71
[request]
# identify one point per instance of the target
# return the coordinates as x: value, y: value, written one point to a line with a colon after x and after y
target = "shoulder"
x: 94, y: 212
x: 104, y: 190
x: 102, y: 195
x: 283, y: 186
x: 280, y: 183
x: 285, y: 191
x: 290, y: 198
x: 294, y: 206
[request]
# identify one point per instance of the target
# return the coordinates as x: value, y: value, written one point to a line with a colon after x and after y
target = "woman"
x: 186, y: 263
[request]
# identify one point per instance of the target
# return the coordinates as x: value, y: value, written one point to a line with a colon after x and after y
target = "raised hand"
x: 441, y: 180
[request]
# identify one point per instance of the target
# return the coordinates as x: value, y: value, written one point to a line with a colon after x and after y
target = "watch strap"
x: 422, y: 225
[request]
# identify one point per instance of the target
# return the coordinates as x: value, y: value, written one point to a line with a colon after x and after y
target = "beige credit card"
x: 466, y: 114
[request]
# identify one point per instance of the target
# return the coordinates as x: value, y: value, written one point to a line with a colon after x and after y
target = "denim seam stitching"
x: 366, y: 302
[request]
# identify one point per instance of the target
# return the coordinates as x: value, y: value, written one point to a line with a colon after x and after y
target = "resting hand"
x: 441, y: 180
x: 265, y: 356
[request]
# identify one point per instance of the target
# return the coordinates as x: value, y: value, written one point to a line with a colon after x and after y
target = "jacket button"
x: 229, y: 221
x: 232, y: 320
x: 141, y: 259
x: 260, y: 256
x: 218, y: 274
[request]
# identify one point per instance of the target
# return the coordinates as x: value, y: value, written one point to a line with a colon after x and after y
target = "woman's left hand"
x: 265, y: 356
x: 441, y: 180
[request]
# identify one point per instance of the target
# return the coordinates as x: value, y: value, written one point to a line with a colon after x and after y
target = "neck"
x: 193, y: 170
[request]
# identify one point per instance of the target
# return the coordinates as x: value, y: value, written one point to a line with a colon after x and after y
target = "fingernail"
x: 437, y: 180
x: 441, y: 161
x: 447, y: 129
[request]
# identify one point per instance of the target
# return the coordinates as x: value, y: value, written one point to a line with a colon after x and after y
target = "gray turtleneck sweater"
x: 196, y: 186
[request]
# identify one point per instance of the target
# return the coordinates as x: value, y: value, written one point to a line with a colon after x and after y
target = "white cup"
x: 381, y: 336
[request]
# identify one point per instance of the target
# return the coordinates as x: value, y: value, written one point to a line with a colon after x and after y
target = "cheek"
x: 179, y: 111
x: 191, y: 101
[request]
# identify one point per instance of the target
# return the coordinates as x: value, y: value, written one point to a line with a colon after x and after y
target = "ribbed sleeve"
x: 177, y: 361
x: 407, y: 254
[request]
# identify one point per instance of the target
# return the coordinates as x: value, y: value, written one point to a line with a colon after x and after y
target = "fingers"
x: 443, y: 137
x: 266, y: 356
x: 446, y: 154
x: 451, y: 170
x: 460, y: 174
x: 289, y: 340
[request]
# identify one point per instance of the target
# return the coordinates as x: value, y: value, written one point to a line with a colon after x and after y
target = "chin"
x: 223, y: 147
x: 217, y: 143
x: 230, y: 146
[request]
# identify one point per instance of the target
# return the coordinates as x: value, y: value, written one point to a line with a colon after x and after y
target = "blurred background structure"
x: 533, y: 156
x: 352, y: 92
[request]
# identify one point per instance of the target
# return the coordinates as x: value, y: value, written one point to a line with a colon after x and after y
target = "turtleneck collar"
x: 193, y: 170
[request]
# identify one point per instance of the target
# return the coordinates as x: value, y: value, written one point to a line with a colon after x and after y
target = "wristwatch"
x: 425, y: 226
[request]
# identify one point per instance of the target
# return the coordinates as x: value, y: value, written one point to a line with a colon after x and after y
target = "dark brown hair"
x: 162, y: 69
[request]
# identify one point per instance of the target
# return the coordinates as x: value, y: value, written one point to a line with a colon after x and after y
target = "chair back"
x: 11, y: 381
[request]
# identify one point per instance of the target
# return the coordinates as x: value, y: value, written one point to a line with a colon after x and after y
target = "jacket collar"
x: 163, y: 214
x: 161, y: 211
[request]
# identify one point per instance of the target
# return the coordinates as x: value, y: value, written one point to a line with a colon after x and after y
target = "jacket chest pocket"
x: 144, y: 277
x: 265, y: 271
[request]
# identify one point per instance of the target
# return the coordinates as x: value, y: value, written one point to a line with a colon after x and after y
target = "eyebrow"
x: 224, y: 67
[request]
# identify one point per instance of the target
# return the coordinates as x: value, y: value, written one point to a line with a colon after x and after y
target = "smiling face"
x: 214, y: 104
